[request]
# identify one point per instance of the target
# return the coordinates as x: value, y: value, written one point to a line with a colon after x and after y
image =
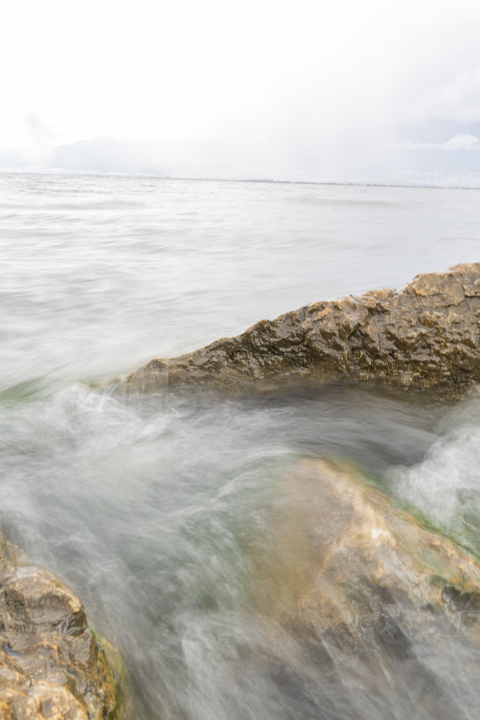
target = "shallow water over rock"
x: 155, y: 509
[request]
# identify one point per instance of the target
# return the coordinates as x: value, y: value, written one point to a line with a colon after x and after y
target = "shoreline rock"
x: 426, y: 336
x: 51, y: 663
x: 370, y: 591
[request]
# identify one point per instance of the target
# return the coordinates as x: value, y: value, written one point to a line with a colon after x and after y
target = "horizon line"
x: 339, y: 183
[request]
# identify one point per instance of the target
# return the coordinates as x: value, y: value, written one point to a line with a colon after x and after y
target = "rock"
x: 10, y: 558
x: 366, y: 554
x: 368, y: 589
x: 33, y: 600
x: 51, y: 664
x: 425, y: 336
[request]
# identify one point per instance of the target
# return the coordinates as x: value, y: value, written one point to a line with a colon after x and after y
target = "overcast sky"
x: 298, y: 88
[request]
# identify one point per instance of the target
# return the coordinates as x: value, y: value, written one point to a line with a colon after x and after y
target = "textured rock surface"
x: 426, y: 336
x: 364, y: 553
x: 51, y: 665
x: 372, y: 594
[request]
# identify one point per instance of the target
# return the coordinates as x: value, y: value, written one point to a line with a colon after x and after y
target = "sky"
x: 288, y: 90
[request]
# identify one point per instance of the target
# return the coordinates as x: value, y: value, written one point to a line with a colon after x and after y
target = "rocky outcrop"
x: 52, y: 666
x: 369, y: 590
x: 362, y: 554
x: 425, y: 336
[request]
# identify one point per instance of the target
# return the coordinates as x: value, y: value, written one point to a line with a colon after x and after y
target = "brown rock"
x: 364, y: 584
x: 364, y: 550
x: 44, y: 701
x: 425, y: 336
x: 51, y: 664
x: 32, y: 600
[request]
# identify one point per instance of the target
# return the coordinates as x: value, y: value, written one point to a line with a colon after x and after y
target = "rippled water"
x: 151, y: 507
x: 100, y: 274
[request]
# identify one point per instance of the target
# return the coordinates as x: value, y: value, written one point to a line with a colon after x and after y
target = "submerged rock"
x: 51, y: 664
x: 367, y: 554
x: 377, y: 597
x: 425, y: 336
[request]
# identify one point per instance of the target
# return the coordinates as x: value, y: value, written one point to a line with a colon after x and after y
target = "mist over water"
x: 155, y: 509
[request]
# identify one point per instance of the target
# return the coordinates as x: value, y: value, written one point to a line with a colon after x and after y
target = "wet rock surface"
x: 51, y: 664
x: 425, y: 336
x: 381, y: 602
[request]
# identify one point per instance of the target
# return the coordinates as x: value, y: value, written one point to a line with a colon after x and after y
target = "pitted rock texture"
x: 425, y: 336
x: 51, y: 664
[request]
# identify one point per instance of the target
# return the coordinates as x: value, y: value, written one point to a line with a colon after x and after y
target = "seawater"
x: 147, y: 505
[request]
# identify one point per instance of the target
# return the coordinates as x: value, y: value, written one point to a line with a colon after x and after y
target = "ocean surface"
x: 145, y: 505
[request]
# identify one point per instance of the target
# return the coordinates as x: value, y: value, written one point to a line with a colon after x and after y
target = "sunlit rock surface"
x: 425, y: 336
x: 373, y: 595
x: 51, y: 664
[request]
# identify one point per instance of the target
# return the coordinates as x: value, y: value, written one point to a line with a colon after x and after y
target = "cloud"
x: 461, y: 142
x: 249, y: 89
x: 457, y: 142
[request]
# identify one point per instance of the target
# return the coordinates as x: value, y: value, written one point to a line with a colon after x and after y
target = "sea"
x: 148, y: 505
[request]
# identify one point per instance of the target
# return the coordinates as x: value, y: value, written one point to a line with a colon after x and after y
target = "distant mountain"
x: 105, y: 155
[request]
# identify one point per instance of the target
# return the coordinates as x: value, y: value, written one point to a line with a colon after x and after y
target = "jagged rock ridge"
x: 425, y: 336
